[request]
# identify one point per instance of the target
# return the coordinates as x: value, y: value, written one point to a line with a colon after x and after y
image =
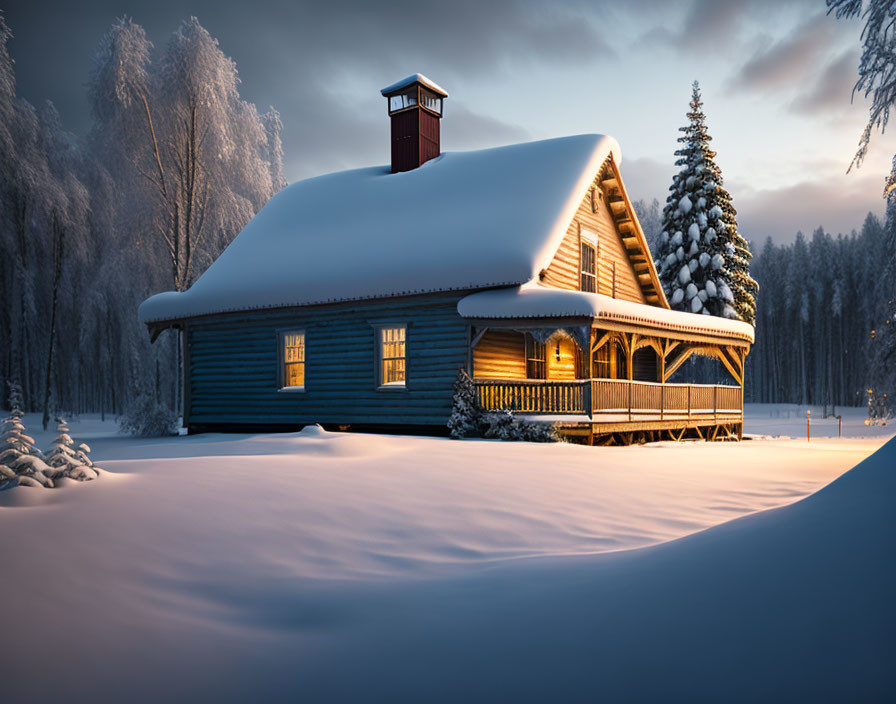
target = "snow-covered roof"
x: 534, y: 301
x: 415, y: 78
x: 464, y: 220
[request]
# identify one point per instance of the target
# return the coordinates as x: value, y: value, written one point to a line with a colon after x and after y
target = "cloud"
x: 332, y: 136
x: 703, y: 22
x: 789, y: 60
x: 837, y: 201
x: 832, y: 89
x: 839, y: 204
x: 464, y: 129
x: 647, y: 178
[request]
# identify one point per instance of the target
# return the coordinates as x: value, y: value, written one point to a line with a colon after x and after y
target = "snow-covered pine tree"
x: 702, y: 260
x: 465, y: 411
x: 66, y: 459
x: 21, y: 463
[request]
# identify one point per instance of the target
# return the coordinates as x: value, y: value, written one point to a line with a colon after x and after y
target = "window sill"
x: 291, y: 389
x: 392, y: 387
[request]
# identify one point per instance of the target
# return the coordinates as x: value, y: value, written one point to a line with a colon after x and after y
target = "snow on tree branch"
x: 877, y: 66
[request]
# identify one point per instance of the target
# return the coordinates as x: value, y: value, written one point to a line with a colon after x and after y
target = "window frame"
x: 379, y: 358
x: 281, y: 360
x: 540, y: 364
x: 587, y: 239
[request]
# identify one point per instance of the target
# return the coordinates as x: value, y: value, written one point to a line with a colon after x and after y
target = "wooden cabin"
x: 353, y: 299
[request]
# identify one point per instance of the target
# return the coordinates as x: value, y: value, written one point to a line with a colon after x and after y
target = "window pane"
x: 535, y: 358
x: 295, y: 375
x: 588, y: 260
x: 392, y: 353
x: 431, y: 101
x: 294, y: 359
x: 403, y: 100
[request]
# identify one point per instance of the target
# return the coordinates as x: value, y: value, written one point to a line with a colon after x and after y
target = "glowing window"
x: 293, y: 359
x: 392, y: 349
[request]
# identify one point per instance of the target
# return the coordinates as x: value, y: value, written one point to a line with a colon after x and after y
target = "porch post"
x: 589, y: 366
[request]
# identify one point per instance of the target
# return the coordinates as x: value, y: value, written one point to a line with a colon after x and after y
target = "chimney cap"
x: 410, y: 80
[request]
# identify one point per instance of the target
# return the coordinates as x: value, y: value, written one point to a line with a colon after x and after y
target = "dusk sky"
x: 776, y: 79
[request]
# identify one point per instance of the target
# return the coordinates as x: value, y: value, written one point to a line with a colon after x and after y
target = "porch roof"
x: 536, y: 301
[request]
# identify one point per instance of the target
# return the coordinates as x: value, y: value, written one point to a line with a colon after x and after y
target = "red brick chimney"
x: 415, y: 108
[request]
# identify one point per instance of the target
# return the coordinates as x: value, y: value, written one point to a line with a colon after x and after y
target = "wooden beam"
x: 477, y: 337
x: 600, y: 343
x: 680, y: 359
x: 669, y: 346
x: 614, y: 169
x: 729, y: 365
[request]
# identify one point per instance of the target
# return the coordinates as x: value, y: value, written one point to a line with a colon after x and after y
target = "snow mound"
x: 792, y: 604
x: 315, y: 430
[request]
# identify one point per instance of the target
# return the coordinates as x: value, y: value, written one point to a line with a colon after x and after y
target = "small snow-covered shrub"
x: 147, y: 418
x: 500, y: 425
x: 878, y: 413
x: 67, y: 460
x: 503, y: 425
x: 21, y: 463
x: 466, y: 413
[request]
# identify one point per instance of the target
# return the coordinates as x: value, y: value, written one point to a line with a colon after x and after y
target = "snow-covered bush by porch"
x: 504, y: 425
x: 465, y: 411
x: 469, y: 420
x: 702, y: 261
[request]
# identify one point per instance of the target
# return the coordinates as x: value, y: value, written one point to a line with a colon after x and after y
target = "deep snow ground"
x: 346, y: 567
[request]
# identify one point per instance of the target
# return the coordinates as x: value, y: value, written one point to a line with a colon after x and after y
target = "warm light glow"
x: 392, y: 347
x: 294, y: 359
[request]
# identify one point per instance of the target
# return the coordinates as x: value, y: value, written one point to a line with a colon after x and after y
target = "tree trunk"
x: 58, y: 235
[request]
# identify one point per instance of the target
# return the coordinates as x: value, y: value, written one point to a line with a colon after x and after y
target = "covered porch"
x: 608, y: 379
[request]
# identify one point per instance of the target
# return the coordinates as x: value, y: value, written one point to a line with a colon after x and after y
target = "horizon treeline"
x: 825, y: 319
x: 174, y: 166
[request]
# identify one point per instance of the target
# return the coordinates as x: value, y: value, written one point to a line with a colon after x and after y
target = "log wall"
x: 233, y: 362
x: 564, y: 270
x: 500, y: 354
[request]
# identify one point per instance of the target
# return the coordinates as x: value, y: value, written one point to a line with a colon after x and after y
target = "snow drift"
x: 337, y: 567
x: 793, y: 604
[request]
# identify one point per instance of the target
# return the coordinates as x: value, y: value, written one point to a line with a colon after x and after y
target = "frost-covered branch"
x: 877, y: 66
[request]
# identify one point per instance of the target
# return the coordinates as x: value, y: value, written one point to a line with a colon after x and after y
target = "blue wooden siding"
x: 233, y: 367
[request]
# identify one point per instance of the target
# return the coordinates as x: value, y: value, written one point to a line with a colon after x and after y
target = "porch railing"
x: 610, y: 397
x: 534, y: 396
x: 639, y: 398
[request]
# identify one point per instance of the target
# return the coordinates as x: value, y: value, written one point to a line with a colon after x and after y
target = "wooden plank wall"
x: 234, y: 362
x: 565, y: 367
x: 500, y: 354
x: 563, y: 271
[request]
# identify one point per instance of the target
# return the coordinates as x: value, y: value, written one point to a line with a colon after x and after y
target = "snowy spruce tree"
x: 465, y: 411
x: 702, y: 260
x: 68, y: 460
x: 21, y: 463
